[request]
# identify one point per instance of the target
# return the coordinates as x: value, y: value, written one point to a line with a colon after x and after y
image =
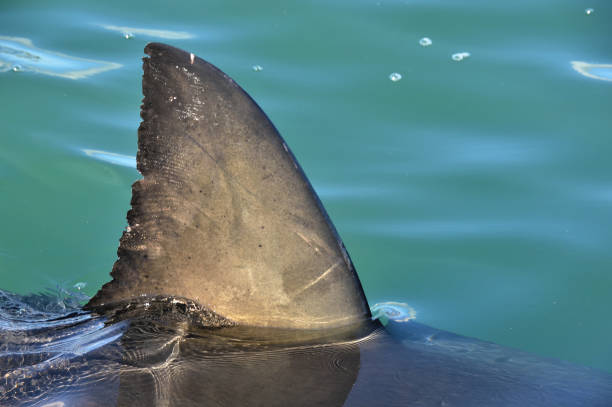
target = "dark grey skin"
x: 232, y: 288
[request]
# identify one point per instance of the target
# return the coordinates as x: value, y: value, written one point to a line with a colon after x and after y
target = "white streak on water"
x: 113, y: 158
x: 166, y: 34
x: 602, y: 72
x: 20, y: 55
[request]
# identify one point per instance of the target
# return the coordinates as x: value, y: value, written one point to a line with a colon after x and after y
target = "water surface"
x: 477, y: 191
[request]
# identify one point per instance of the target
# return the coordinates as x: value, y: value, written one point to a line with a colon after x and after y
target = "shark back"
x: 224, y: 214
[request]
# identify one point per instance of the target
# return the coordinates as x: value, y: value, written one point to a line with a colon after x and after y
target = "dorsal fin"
x: 224, y: 215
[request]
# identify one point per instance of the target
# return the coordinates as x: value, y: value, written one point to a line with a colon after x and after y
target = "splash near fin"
x: 224, y: 215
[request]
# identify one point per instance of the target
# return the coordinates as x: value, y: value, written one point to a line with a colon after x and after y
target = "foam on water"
x: 20, y: 55
x: 394, y: 311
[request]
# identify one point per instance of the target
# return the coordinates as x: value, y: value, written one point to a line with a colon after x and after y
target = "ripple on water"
x: 602, y: 72
x: 20, y: 55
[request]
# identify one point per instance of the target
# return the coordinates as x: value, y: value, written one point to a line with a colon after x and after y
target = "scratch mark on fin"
x: 308, y: 242
x: 316, y: 280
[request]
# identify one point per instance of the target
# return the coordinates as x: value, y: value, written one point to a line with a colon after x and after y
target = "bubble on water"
x: 460, y: 56
x: 17, y: 68
x: 257, y: 68
x: 425, y: 41
x: 395, y: 77
x: 80, y: 285
x: 589, y: 11
x: 394, y: 311
x: 128, y: 35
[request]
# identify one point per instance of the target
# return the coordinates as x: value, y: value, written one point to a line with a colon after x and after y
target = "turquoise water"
x: 477, y: 191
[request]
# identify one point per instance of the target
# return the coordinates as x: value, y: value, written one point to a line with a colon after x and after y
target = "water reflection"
x: 20, y: 55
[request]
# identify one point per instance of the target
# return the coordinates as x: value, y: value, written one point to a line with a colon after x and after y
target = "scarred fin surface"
x: 224, y: 215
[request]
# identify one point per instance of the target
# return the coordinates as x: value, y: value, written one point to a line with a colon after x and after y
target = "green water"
x: 477, y: 191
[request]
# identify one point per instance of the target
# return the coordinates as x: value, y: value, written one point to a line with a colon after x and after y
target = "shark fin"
x: 224, y: 214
